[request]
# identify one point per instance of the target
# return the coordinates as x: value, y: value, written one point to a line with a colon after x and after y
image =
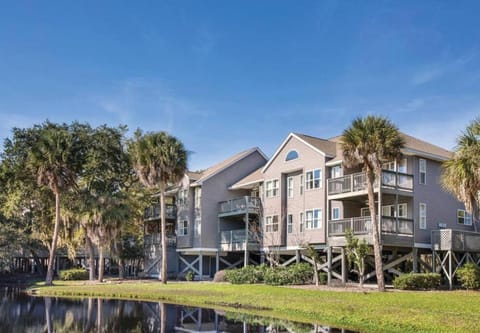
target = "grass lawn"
x: 436, y: 311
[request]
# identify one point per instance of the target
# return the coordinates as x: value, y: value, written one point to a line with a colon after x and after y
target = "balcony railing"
x: 235, y: 239
x: 239, y: 205
x: 156, y: 239
x: 363, y: 226
x: 357, y: 182
x: 153, y: 212
x: 455, y: 240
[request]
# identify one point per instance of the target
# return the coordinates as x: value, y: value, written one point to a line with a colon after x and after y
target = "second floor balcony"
x: 356, y: 183
x: 239, y: 206
x: 234, y: 240
x: 392, y: 228
x: 153, y: 212
x: 156, y: 239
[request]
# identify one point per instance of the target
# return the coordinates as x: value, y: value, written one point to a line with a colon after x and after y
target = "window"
x: 335, y: 213
x: 364, y: 211
x: 271, y: 223
x: 336, y: 171
x: 389, y: 210
x: 301, y: 222
x: 292, y: 155
x: 301, y: 184
x: 290, y: 187
x: 422, y: 221
x: 402, y: 210
x: 182, y: 197
x: 389, y: 166
x: 289, y: 223
x: 272, y: 188
x: 313, y: 179
x: 313, y: 219
x: 422, y: 166
x: 402, y: 166
x: 197, y: 229
x: 183, y: 228
x: 198, y: 196
x: 463, y: 217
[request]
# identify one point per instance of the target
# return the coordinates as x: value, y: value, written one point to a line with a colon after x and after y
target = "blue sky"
x: 224, y: 76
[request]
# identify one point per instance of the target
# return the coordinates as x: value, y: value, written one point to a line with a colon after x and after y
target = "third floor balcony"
x: 239, y: 206
x: 356, y: 183
x: 153, y: 212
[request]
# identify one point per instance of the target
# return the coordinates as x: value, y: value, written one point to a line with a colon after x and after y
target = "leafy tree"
x: 369, y: 142
x: 159, y: 160
x: 357, y: 252
x: 461, y: 173
x: 313, y: 254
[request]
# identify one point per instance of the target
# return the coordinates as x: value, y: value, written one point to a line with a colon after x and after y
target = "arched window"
x: 292, y: 155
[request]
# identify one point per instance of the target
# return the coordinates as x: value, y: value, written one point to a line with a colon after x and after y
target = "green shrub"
x: 322, y: 278
x: 469, y: 276
x: 301, y: 273
x: 189, y: 276
x: 415, y: 281
x: 277, y: 276
x: 245, y: 275
x: 73, y: 274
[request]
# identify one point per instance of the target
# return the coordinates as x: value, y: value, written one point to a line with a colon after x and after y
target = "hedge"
x: 74, y: 274
x: 417, y: 281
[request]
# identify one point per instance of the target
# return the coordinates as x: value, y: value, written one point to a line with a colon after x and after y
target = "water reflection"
x: 22, y: 313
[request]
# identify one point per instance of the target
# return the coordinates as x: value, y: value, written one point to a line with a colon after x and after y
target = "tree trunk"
x: 163, y: 269
x: 121, y: 268
x: 91, y: 257
x: 48, y: 314
x: 53, y: 248
x: 375, y: 229
x: 101, y: 265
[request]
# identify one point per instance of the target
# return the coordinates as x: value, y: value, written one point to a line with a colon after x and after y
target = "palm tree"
x: 159, y: 160
x: 369, y: 142
x: 53, y: 158
x: 461, y: 173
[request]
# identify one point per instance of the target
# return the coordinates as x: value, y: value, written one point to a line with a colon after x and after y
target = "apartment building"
x: 249, y: 209
x: 193, y: 234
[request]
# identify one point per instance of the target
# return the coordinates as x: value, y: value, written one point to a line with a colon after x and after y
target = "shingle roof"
x: 224, y: 164
x: 253, y: 178
x: 328, y: 147
x: 412, y: 145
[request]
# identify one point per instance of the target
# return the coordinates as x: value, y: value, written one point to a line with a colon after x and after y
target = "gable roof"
x: 413, y: 146
x: 321, y: 146
x: 250, y: 180
x: 219, y: 167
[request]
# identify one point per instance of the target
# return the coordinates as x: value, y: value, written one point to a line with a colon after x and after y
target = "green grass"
x: 449, y: 311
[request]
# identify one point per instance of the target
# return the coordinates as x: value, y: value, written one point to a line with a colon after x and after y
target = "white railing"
x: 156, y: 239
x: 153, y: 212
x: 356, y: 182
x: 363, y: 226
x: 239, y: 205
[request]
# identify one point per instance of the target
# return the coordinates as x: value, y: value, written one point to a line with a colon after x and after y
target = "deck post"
x: 415, y: 259
x: 297, y: 256
x: 200, y: 265
x: 344, y: 266
x: 217, y: 261
x: 245, y: 255
x: 329, y: 259
x: 434, y: 259
x: 450, y: 269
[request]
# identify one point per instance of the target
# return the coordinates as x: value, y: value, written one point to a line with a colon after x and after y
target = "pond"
x: 20, y: 312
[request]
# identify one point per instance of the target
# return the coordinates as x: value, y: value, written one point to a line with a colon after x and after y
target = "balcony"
x: 156, y: 239
x: 239, y: 206
x: 394, y: 231
x: 455, y: 240
x: 357, y: 183
x: 234, y: 240
x: 153, y: 212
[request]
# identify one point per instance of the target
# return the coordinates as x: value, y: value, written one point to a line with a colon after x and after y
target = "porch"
x: 234, y: 240
x: 154, y: 212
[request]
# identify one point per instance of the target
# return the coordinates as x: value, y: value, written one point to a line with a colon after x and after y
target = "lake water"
x: 20, y: 312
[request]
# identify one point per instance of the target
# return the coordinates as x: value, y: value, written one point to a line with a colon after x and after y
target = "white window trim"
x: 301, y: 226
x: 333, y: 215
x: 466, y: 217
x: 302, y: 184
x: 290, y: 178
x: 313, y: 179
x: 183, y: 228
x: 420, y: 171
x: 420, y: 226
x: 292, y: 159
x: 289, y: 223
x: 271, y: 224
x: 320, y: 219
x: 273, y: 182
x: 396, y: 211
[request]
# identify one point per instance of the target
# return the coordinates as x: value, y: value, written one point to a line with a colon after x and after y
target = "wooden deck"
x: 455, y: 240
